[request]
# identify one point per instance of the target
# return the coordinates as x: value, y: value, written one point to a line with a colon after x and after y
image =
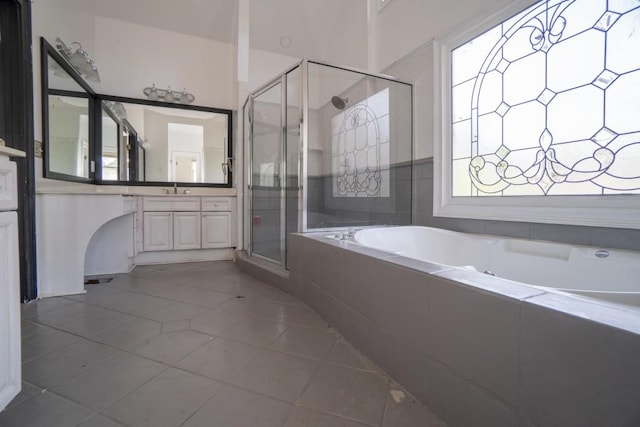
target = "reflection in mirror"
x: 69, y: 135
x: 110, y: 138
x: 59, y: 79
x: 141, y: 161
x: 67, y: 120
x: 177, y: 145
x: 128, y: 142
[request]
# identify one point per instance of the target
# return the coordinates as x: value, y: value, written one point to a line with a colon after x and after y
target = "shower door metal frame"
x: 303, y: 145
x: 282, y: 81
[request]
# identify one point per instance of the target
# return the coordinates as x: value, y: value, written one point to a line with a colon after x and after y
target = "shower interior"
x: 326, y: 147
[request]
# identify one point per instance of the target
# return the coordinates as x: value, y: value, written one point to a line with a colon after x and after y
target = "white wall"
x: 404, y: 25
x: 348, y: 45
x: 131, y: 57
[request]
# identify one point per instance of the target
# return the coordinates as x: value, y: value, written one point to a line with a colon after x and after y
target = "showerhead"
x: 339, y: 102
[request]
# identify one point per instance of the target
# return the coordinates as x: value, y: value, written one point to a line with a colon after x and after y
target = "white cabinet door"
x: 216, y: 230
x: 158, y: 231
x: 10, y: 369
x: 186, y: 230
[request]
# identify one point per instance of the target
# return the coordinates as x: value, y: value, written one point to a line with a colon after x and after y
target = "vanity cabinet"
x: 186, y: 223
x: 10, y: 369
x: 218, y: 222
x: 186, y: 230
x: 158, y: 231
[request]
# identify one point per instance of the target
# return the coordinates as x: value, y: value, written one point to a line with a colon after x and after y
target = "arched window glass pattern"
x: 360, y: 148
x: 548, y: 103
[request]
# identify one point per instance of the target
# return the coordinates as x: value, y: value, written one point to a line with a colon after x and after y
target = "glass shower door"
x: 266, y: 179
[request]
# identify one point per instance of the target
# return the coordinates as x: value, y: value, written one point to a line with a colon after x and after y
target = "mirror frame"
x: 95, y: 129
x: 46, y: 51
x: 125, y: 100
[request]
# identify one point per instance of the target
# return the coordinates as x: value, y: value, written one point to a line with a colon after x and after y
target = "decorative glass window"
x: 548, y: 102
x: 545, y: 103
x: 360, y: 148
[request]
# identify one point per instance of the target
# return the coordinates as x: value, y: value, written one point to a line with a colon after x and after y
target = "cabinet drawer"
x: 172, y: 204
x: 219, y: 204
x: 8, y: 196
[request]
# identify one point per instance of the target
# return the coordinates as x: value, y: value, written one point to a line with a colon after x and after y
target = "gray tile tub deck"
x: 477, y: 350
x: 199, y: 344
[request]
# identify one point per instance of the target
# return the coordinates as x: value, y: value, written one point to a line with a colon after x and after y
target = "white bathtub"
x: 612, y: 275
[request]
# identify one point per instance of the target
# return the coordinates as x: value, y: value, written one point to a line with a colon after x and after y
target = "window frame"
x: 617, y: 211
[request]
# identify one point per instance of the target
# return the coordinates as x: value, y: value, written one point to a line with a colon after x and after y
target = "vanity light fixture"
x: 168, y: 95
x: 79, y: 59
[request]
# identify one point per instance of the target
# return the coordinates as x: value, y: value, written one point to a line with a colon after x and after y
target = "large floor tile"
x: 311, y: 343
x: 167, y: 400
x: 59, y: 366
x: 220, y: 359
x: 37, y: 307
x: 44, y: 410
x: 255, y: 331
x: 99, y: 421
x: 208, y: 299
x: 213, y: 322
x: 280, y: 375
x: 107, y: 382
x: 233, y: 407
x: 84, y: 319
x: 129, y: 334
x: 170, y: 347
x: 123, y: 301
x: 27, y: 392
x: 176, y: 311
x: 402, y: 410
x: 44, y: 341
x: 345, y: 354
x: 306, y: 417
x: 347, y: 392
x: 29, y: 328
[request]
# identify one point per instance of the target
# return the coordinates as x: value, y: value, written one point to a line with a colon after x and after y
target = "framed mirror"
x: 67, y: 118
x: 105, y: 139
x: 188, y: 146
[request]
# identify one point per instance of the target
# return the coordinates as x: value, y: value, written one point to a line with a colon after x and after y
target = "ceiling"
x: 307, y: 25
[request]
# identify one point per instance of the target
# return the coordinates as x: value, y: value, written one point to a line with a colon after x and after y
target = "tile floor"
x: 199, y: 344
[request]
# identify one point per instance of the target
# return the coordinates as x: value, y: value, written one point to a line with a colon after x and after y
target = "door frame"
x: 17, y: 101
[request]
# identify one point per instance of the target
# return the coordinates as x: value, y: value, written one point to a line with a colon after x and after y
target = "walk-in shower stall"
x: 326, y: 147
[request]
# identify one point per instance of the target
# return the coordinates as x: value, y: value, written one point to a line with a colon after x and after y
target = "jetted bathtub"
x: 612, y: 275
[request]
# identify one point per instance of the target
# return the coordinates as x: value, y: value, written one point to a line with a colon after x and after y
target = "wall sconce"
x: 117, y: 108
x: 168, y: 95
x: 79, y: 59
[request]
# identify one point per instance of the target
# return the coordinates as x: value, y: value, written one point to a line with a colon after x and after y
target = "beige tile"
x: 234, y: 407
x: 167, y: 400
x: 280, y: 375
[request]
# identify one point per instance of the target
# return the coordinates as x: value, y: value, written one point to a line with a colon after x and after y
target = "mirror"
x: 67, y: 119
x: 69, y: 135
x: 110, y: 143
x: 172, y: 144
x: 112, y: 140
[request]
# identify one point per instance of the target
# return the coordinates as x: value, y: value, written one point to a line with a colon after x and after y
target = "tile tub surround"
x: 174, y: 345
x: 423, y: 181
x: 477, y: 350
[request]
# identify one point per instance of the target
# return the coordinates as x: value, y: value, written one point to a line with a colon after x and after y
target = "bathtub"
x: 606, y: 274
